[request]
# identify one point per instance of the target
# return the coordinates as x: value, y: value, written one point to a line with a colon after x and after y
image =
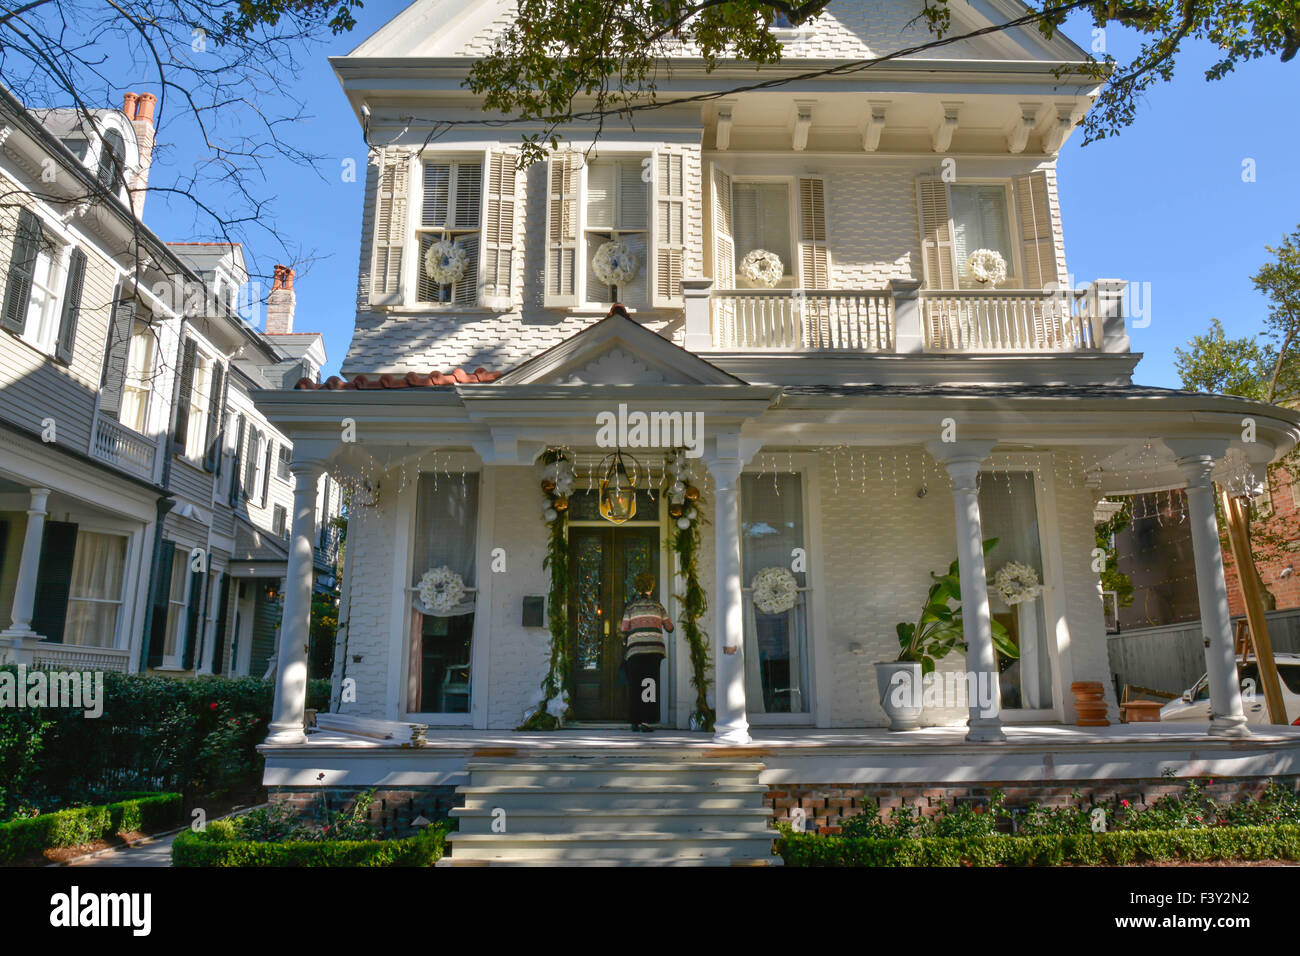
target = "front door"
x: 603, y: 562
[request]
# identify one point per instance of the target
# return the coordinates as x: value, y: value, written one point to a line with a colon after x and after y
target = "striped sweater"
x: 644, y: 622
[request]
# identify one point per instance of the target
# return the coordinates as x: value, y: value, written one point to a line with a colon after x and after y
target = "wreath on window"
x: 1017, y: 583
x: 441, y: 589
x: 615, y: 264
x: 762, y: 267
x: 445, y: 262
x: 986, y: 265
x: 775, y: 590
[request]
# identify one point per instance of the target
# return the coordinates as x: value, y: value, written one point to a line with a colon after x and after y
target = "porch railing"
x: 802, y: 319
x: 80, y: 658
x: 124, y: 448
x: 1006, y: 321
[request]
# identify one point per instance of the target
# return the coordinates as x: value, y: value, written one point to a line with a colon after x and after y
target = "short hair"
x: 644, y: 582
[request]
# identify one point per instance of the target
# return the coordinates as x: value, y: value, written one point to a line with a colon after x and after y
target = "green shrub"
x: 278, y: 823
x: 949, y: 820
x: 196, y: 736
x: 28, y: 836
x: 1116, y: 848
x: 216, y: 846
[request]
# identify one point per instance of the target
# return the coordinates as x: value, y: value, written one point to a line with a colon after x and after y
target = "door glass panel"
x: 589, y: 563
x: 1008, y: 512
x: 585, y: 506
x: 776, y: 651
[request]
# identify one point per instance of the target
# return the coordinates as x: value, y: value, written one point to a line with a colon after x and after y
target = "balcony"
x: 123, y: 448
x: 904, y: 319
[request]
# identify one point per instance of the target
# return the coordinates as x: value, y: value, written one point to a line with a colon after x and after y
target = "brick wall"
x: 392, y: 810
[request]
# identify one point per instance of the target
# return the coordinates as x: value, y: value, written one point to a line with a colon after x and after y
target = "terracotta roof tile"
x: 457, y: 376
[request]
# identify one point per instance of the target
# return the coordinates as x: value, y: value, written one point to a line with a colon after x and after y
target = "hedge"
x: 197, y: 736
x: 1091, y: 849
x: 31, y: 835
x: 214, y: 847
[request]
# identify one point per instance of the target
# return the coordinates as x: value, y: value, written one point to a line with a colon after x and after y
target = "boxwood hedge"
x: 29, y: 836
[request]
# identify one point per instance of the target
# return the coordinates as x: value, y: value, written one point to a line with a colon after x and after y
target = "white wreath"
x: 1017, y: 583
x: 445, y: 262
x: 615, y: 264
x: 762, y: 267
x: 441, y: 589
x: 775, y: 590
x: 987, y: 265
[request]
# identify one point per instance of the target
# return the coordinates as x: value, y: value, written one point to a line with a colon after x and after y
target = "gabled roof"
x: 617, y: 351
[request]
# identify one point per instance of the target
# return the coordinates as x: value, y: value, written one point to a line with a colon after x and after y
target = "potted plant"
x: 933, y: 637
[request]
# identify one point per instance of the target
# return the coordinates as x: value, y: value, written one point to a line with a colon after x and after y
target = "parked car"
x: 1195, y: 703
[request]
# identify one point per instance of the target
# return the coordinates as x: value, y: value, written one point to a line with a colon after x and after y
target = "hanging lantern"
x: 618, y: 487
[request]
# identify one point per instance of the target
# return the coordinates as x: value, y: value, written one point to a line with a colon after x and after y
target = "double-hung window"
x: 617, y: 213
x: 448, y: 234
x: 198, y: 378
x: 138, y: 384
x: 981, y: 219
x: 95, y: 591
x: 760, y: 215
x: 176, y: 607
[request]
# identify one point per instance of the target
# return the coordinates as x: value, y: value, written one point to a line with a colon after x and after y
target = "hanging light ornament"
x: 618, y: 487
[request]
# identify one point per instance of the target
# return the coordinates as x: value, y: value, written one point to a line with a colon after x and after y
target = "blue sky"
x: 1163, y: 204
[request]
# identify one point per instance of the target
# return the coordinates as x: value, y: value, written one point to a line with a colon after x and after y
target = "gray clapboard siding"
x: 192, y: 483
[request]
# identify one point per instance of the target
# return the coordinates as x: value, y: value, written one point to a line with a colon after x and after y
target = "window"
x: 253, y: 471
x: 760, y: 213
x: 31, y: 306
x: 776, y: 645
x: 980, y: 220
x: 446, y: 518
x: 138, y: 385
x: 279, y: 521
x: 112, y: 160
x: 450, y: 210
x: 176, y: 608
x: 282, y: 462
x: 618, y: 207
x: 95, y: 593
x: 199, y: 388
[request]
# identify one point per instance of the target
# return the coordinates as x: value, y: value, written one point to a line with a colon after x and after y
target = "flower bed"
x: 222, y: 845
x: 28, y: 836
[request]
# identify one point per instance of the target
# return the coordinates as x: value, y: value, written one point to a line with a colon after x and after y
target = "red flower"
x: 212, y: 706
x: 1124, y: 803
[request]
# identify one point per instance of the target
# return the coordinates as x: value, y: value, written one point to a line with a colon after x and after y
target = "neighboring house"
x: 868, y: 413
x: 125, y: 369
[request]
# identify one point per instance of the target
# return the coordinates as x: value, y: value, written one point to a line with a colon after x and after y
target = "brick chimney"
x: 280, y: 303
x: 139, y: 110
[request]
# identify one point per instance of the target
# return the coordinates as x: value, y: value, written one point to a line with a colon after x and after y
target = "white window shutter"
x: 724, y: 243
x: 390, y: 230
x: 466, y: 214
x: 814, y: 257
x: 1038, y: 247
x: 937, y: 255
x: 669, y: 229
x: 497, y: 290
x: 562, y: 176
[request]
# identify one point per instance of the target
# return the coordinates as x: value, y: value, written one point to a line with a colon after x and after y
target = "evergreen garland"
x: 557, y: 679
x: 685, y: 543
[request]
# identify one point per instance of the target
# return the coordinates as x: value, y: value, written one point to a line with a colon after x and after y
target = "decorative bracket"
x: 947, y: 126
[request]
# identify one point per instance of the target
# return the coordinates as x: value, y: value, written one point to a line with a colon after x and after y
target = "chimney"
x: 139, y: 110
x: 280, y: 303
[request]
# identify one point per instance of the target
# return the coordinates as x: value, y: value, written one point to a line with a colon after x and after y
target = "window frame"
x: 200, y: 403
x: 615, y: 157
x: 171, y: 660
x: 53, y: 250
x: 1015, y: 266
x: 120, y: 601
x: 795, y: 265
x: 415, y: 227
x: 140, y: 328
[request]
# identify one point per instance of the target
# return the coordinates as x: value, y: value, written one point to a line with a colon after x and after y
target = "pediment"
x: 617, y: 351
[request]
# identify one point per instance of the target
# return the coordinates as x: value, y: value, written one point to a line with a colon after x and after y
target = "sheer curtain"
x: 1008, y: 512
x: 761, y: 216
x: 775, y: 644
x: 95, y: 593
x: 980, y: 221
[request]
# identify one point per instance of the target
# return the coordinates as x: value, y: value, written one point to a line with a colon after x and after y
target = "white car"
x: 1195, y: 703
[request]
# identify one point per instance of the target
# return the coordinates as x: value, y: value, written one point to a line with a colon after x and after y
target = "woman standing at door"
x: 644, y: 622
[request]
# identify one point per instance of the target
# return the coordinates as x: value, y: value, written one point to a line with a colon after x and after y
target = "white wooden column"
x: 29, y: 563
x: 731, y: 725
x: 1196, y: 460
x: 295, y: 628
x: 963, y: 460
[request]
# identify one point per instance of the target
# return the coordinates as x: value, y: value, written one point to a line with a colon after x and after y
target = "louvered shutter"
x: 469, y: 210
x: 936, y: 234
x: 561, y: 230
x: 219, y: 638
x: 236, y: 459
x: 267, y: 463
x: 193, y: 618
x: 601, y: 197
x: 54, y: 580
x: 390, y: 230
x: 724, y: 256
x: 162, y: 586
x: 71, y: 305
x: 115, y: 358
x: 497, y: 290
x: 669, y: 229
x: 216, y: 407
x: 1037, y: 244
x: 814, y: 260
x: 22, y: 266
x: 185, y: 397
x: 250, y: 467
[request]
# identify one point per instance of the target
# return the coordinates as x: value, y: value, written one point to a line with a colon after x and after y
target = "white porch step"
x: 623, y: 810
x: 679, y: 820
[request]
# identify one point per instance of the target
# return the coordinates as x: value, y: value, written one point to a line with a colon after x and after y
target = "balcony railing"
x: 1006, y: 321
x: 124, y: 448
x: 803, y: 319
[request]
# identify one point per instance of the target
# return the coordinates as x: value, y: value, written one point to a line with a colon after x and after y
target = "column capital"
x: 306, y: 472
x: 1191, y: 452
x: 962, y: 459
x: 39, y: 498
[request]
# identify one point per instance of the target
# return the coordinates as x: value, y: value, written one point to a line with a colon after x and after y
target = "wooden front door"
x: 603, y: 563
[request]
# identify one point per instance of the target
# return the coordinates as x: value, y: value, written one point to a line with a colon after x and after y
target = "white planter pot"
x: 899, y: 683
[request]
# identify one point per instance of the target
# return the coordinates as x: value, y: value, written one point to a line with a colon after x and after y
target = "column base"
x: 286, y: 734
x: 1228, y: 727
x: 732, y: 736
x: 984, y: 731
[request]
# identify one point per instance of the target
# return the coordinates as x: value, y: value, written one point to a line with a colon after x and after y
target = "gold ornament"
x: 548, y: 485
x: 560, y: 504
x: 675, y: 510
x: 692, y: 493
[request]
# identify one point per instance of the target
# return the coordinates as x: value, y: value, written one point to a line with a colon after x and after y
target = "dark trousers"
x: 640, y: 667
